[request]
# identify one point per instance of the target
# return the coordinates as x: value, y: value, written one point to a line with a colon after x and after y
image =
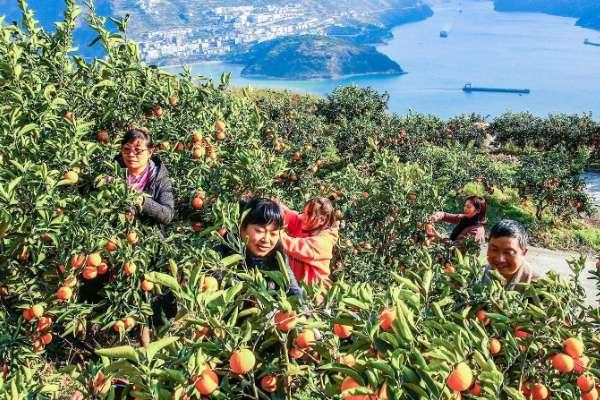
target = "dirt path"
x: 546, y: 260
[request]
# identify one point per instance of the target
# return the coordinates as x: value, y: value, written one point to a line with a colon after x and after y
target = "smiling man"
x: 507, y: 248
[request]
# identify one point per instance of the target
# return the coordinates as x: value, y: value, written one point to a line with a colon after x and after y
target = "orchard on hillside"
x: 397, y: 323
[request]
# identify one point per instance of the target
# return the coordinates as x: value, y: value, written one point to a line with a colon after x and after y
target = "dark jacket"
x: 268, y: 263
x: 476, y: 231
x: 159, y: 208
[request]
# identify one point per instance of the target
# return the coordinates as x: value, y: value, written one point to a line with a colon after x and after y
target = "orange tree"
x: 397, y: 322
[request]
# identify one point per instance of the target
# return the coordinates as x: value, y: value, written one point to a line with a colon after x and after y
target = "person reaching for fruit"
x: 261, y: 229
x: 506, y: 252
x: 146, y: 173
x: 468, y: 224
x: 309, y: 239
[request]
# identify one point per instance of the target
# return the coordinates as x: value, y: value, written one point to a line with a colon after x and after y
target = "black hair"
x: 137, y: 133
x: 261, y: 211
x: 510, y: 228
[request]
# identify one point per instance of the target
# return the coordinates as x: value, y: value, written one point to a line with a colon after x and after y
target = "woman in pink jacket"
x: 468, y: 224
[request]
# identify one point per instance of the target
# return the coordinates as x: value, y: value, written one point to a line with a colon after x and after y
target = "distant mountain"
x: 187, y: 31
x: 587, y: 11
x: 315, y: 57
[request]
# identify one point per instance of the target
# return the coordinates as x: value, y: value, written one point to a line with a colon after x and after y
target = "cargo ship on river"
x: 590, y: 43
x: 470, y: 88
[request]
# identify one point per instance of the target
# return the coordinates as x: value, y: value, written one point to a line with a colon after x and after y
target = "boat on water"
x: 589, y: 42
x: 443, y: 34
x: 470, y: 88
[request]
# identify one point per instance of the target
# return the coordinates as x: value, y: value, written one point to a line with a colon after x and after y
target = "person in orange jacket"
x: 309, y: 239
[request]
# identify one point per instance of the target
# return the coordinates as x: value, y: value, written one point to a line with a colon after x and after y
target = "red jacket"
x: 308, y: 256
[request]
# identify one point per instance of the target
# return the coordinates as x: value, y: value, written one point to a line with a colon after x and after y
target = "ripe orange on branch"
x: 285, y: 321
x: 461, y: 378
x: 306, y: 338
x: 573, y: 347
x: 207, y: 382
x: 242, y: 361
x: 386, y: 318
x: 562, y: 362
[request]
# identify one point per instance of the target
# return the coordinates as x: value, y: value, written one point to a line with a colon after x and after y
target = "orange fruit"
x: 102, y: 136
x: 197, y: 227
x: 44, y: 323
x: 412, y: 197
x: 207, y: 382
x: 382, y: 395
x: 69, y: 116
x: 220, y: 135
x: 147, y: 285
x: 129, y: 322
x: 297, y: 156
x: 37, y: 310
x: 94, y: 259
x: 475, y: 389
x: 342, y: 331
x: 581, y: 364
x: 591, y: 395
x: 349, y: 383
x: 305, y: 339
x: 46, y: 338
x: 521, y: 334
x: 119, y: 326
x: 132, y: 238
x: 386, y: 318
x: 173, y: 101
x: 89, y: 272
x: 197, y: 203
x: 220, y: 125
x: 268, y: 383
x: 295, y: 353
x: 200, y: 333
x: 77, y: 261
x: 284, y: 321
x: 242, y: 361
x: 573, y: 347
x: 482, y: 317
x: 495, y: 346
x: 27, y: 314
x: 102, y: 269
x: 197, y: 137
x: 448, y: 267
x: 539, y: 392
x: 129, y: 268
x: 348, y: 360
x: 210, y: 284
x: 64, y: 293
x: 461, y: 378
x: 71, y: 177
x: 585, y: 383
x: 563, y: 362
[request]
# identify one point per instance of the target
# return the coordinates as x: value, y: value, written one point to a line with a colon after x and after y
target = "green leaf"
x: 126, y: 352
x: 155, y: 347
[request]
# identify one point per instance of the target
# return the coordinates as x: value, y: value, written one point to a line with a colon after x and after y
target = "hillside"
x: 587, y: 11
x: 315, y: 57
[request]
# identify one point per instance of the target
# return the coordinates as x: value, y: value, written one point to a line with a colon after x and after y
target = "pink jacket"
x: 308, y: 256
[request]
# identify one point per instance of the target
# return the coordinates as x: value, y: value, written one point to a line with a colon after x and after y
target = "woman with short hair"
x: 147, y: 173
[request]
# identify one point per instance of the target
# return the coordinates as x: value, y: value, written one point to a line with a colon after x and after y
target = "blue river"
x: 540, y: 52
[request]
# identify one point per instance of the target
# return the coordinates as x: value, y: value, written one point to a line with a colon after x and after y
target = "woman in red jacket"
x: 468, y: 224
x: 309, y: 239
